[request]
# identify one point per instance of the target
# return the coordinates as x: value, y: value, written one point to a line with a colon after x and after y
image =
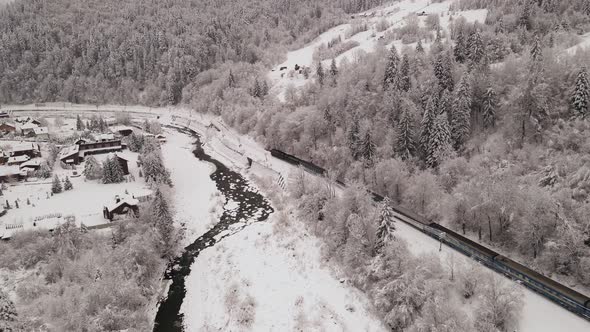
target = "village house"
x: 29, y: 149
x: 31, y: 165
x: 28, y: 129
x: 11, y: 174
x: 70, y: 155
x: 17, y: 160
x: 41, y: 133
x: 7, y: 127
x: 73, y: 155
x: 122, y: 130
x: 4, y: 115
x: 122, y: 205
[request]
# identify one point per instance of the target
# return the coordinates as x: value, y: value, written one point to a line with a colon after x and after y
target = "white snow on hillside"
x: 271, y: 282
x: 583, y: 45
x: 395, y: 14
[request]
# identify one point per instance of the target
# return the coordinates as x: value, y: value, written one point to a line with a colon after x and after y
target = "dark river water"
x: 251, y: 206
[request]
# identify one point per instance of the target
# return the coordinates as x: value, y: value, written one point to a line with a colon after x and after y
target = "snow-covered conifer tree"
x: 439, y: 144
x: 405, y: 82
x: 405, y: 146
x: 56, y: 187
x: 489, y: 108
x: 386, y: 225
x: 391, y: 70
x: 461, y: 113
x: 320, y: 73
x: 581, y: 94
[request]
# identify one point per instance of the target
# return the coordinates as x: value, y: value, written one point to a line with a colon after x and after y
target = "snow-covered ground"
x: 194, y: 193
x: 539, y: 314
x: 584, y: 45
x: 85, y: 201
x: 262, y: 281
x: 394, y: 14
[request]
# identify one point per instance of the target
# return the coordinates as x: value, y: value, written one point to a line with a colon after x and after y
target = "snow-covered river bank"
x: 243, y: 205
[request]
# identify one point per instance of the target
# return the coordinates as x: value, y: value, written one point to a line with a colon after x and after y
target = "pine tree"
x: 333, y: 69
x: 320, y: 73
x: 525, y: 16
x: 391, y: 70
x: 428, y: 118
x: 79, y: 123
x: 476, y: 48
x: 68, y: 184
x: 537, y: 50
x: 256, y: 89
x: 489, y: 108
x: 117, y: 171
x: 368, y: 148
x: 92, y: 169
x: 581, y: 94
x: 461, y: 114
x: 107, y: 171
x: 405, y: 146
x: 419, y: 47
x: 231, y: 80
x: 8, y: 314
x: 439, y: 144
x: 460, y: 49
x: 56, y: 187
x: 386, y: 226
x: 353, y: 137
x: 264, y: 88
x: 443, y: 71
x: 405, y: 82
x: 163, y: 221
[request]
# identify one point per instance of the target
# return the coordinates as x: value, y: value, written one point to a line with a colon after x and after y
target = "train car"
x: 565, y: 296
x: 309, y: 166
x: 465, y: 245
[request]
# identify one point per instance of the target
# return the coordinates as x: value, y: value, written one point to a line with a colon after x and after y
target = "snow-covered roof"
x: 9, y: 124
x: 32, y: 163
x: 25, y: 146
x: 41, y: 130
x: 18, y: 159
x: 9, y: 170
x: 68, y: 151
x: 122, y: 200
x: 105, y: 137
x: 121, y: 127
x: 29, y: 125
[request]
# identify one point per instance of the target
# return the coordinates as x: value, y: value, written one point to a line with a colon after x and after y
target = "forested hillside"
x: 145, y: 51
x: 483, y: 127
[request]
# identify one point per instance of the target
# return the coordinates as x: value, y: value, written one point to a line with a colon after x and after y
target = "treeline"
x: 482, y: 129
x: 410, y: 293
x: 145, y: 51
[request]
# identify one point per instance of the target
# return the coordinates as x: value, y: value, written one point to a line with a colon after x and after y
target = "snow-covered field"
x: 85, y: 201
x: 394, y: 14
x: 194, y: 193
x: 260, y: 281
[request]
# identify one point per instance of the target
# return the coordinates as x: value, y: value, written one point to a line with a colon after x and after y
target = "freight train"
x: 564, y: 296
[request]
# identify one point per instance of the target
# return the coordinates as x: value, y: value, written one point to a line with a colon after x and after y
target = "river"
x: 251, y: 205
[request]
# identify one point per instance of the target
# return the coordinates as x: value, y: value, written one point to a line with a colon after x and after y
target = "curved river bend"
x: 251, y: 206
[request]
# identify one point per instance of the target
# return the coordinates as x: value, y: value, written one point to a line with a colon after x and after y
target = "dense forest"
x: 483, y: 127
x: 145, y: 51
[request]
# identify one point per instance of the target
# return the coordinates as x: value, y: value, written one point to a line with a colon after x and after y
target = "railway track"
x: 558, y: 293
